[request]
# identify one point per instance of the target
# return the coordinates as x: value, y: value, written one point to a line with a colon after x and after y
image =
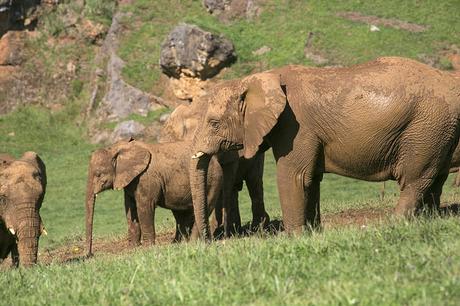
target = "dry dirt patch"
x: 392, y: 22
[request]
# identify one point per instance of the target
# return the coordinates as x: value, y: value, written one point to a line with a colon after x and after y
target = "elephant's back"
x: 364, y: 113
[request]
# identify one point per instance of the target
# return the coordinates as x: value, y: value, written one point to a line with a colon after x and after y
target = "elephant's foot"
x: 133, y: 243
x: 261, y: 223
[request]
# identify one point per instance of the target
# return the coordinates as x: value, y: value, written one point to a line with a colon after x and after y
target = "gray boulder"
x: 191, y: 51
x: 127, y: 129
x: 215, y: 6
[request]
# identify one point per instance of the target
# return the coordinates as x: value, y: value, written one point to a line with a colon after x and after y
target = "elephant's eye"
x: 214, y: 123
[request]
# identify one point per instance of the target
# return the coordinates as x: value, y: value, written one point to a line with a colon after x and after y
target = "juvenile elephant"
x: 151, y: 175
x: 22, y: 189
x: 392, y: 118
x: 182, y: 125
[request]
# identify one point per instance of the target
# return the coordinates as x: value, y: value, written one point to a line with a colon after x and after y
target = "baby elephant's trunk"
x: 28, y: 234
x: 90, y: 201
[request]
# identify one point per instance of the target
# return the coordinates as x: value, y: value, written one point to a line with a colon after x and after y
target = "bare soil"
x: 392, y: 22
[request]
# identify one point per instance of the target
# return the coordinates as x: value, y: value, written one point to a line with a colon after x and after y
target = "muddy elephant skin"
x: 22, y: 189
x: 182, y: 125
x: 151, y: 175
x: 392, y: 118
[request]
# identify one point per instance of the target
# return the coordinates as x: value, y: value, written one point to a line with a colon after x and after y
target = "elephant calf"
x: 22, y: 189
x: 151, y: 175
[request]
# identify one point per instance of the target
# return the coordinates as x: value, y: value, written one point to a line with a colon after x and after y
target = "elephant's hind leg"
x: 432, y: 200
x: 420, y: 196
x: 254, y: 182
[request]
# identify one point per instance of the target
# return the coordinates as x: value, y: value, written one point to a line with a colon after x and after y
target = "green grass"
x: 415, y: 263
x: 283, y: 26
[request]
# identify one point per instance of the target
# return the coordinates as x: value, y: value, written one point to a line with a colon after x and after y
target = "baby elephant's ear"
x: 264, y: 101
x: 130, y: 163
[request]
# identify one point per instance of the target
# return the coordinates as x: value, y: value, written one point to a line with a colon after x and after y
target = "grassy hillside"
x: 390, y: 263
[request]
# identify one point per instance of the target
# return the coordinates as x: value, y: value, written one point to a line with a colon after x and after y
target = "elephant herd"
x: 388, y: 119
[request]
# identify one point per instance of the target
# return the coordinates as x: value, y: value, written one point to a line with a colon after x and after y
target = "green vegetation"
x: 390, y: 263
x: 283, y: 26
x: 414, y: 263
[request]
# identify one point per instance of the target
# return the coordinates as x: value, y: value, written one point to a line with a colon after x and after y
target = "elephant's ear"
x: 264, y: 102
x: 130, y: 162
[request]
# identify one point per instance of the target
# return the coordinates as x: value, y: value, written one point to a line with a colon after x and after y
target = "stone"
x: 215, y: 6
x: 262, y: 51
x: 187, y: 88
x: 191, y: 51
x: 227, y: 10
x: 374, y: 28
x: 163, y: 118
x: 127, y: 129
x: 11, y: 45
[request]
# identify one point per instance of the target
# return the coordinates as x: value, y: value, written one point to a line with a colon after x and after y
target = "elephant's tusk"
x: 12, y: 231
x: 197, y: 155
x: 44, y: 232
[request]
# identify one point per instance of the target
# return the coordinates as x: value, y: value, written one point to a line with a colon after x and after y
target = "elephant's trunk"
x: 90, y: 201
x: 28, y: 234
x: 198, y: 183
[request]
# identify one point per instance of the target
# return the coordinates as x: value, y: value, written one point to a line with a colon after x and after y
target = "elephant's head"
x: 183, y: 121
x: 22, y: 189
x: 114, y: 167
x: 240, y: 114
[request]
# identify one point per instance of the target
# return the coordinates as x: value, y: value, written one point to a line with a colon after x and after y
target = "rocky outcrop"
x: 121, y: 99
x: 193, y: 52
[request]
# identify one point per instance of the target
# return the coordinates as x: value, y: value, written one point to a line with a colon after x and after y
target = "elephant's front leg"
x: 299, y: 195
x: 146, y: 211
x: 134, y: 231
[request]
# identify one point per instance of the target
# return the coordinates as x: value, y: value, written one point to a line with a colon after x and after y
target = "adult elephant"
x: 22, y: 189
x: 392, y: 118
x: 151, y: 175
x: 182, y: 125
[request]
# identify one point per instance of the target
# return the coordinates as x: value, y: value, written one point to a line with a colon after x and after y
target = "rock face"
x: 121, y: 99
x: 191, y: 51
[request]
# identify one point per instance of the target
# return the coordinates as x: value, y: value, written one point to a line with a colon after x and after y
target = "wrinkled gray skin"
x: 389, y: 119
x: 22, y: 189
x: 182, y: 125
x: 454, y: 167
x: 151, y: 175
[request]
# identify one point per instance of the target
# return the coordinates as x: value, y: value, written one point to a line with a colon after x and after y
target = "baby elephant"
x: 151, y: 175
x: 22, y: 189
